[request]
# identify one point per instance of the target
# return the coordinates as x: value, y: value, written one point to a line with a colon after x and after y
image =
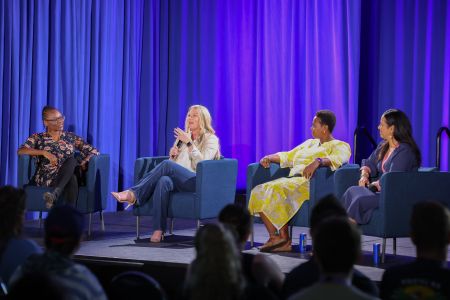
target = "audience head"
x: 337, y: 245
x: 205, y: 120
x: 327, y: 117
x: 12, y: 203
x: 239, y: 219
x: 327, y: 207
x: 64, y: 227
x: 401, y: 131
x: 430, y: 227
x: 135, y: 285
x: 216, y: 271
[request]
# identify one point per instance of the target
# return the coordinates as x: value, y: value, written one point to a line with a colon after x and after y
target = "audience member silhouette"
x: 428, y: 277
x: 216, y: 271
x: 14, y: 250
x: 258, y: 269
x: 64, y: 227
x: 308, y: 273
x: 337, y: 247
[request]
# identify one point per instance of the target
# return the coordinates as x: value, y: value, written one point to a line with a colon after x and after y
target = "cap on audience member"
x: 64, y: 222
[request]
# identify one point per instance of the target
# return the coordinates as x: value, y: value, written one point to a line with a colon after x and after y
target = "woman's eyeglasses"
x: 56, y: 120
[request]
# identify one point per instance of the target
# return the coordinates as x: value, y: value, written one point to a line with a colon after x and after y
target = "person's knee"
x: 165, y: 183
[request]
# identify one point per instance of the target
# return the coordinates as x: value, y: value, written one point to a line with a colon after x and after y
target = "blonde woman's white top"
x: 204, y: 148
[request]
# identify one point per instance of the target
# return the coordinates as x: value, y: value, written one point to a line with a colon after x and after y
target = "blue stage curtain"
x: 264, y: 68
x: 125, y: 72
x: 85, y: 58
x: 405, y: 64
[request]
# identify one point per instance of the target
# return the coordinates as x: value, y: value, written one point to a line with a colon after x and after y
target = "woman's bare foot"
x: 286, y: 247
x: 157, y: 236
x: 272, y: 243
x: 126, y: 196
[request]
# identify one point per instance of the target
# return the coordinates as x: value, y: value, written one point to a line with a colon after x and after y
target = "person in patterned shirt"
x: 56, y: 164
x: 277, y: 201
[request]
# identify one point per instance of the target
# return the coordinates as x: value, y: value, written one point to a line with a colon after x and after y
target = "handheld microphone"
x: 178, y: 145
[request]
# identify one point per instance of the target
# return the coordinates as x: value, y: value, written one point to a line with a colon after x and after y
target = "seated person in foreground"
x: 216, y: 271
x: 308, y: 273
x: 198, y: 142
x: 258, y: 269
x: 337, y: 247
x: 278, y: 201
x: 428, y: 277
x: 397, y: 152
x: 14, y: 250
x: 56, y: 165
x: 64, y: 228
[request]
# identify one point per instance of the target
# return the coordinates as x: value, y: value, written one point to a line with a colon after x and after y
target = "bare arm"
x: 272, y: 158
x: 36, y: 152
x: 30, y: 151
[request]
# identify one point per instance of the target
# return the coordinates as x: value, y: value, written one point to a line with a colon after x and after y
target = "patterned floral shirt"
x: 63, y: 149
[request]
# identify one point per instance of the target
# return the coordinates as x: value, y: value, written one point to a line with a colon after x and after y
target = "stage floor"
x: 118, y: 244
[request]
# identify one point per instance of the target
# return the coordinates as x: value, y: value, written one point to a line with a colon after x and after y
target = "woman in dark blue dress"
x: 397, y: 152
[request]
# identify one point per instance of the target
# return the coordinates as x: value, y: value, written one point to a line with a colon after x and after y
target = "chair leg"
x: 198, y: 224
x: 394, y: 244
x: 252, y: 233
x: 171, y: 226
x: 40, y: 219
x: 89, y: 226
x: 383, y: 250
x: 102, y: 219
x: 291, y: 228
x: 137, y: 227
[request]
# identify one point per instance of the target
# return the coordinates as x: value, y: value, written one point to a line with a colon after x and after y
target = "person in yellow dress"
x: 277, y: 201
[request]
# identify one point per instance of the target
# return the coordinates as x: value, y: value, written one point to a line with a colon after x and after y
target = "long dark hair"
x: 402, y: 132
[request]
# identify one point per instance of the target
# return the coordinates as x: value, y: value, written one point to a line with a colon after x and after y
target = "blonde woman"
x: 196, y: 143
x: 216, y: 271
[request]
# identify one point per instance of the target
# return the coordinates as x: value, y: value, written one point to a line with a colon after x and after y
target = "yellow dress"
x: 280, y: 199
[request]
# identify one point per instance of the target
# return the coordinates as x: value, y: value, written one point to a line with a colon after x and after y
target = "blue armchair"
x: 215, y: 188
x: 321, y: 184
x: 401, y: 190
x: 91, y: 198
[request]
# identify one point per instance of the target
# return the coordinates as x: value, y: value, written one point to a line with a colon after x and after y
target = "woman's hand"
x: 182, y: 135
x: 52, y: 158
x: 265, y: 161
x: 309, y: 170
x: 174, y: 151
x: 377, y: 185
x: 363, y: 181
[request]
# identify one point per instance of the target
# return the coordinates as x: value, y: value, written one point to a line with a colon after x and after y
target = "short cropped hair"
x: 238, y: 218
x: 337, y: 245
x: 430, y: 225
x: 328, y: 118
x: 45, y: 110
x: 327, y: 207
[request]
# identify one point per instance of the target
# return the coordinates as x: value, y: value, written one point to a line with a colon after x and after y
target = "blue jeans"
x: 157, y: 184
